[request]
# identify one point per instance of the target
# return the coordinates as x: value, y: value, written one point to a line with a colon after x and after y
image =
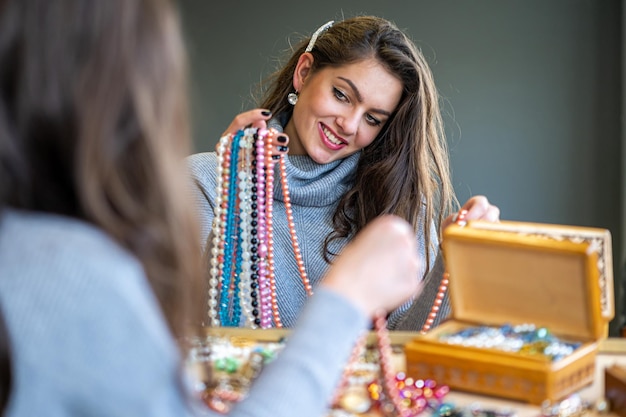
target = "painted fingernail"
x: 282, y: 139
x: 275, y: 156
x: 283, y: 148
x: 266, y: 113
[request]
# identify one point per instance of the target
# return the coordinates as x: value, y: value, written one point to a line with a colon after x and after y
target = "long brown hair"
x: 405, y: 170
x: 94, y: 125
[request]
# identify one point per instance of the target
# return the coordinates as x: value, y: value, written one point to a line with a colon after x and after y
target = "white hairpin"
x: 317, y: 33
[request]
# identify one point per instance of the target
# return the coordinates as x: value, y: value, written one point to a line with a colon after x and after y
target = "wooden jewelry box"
x: 551, y: 276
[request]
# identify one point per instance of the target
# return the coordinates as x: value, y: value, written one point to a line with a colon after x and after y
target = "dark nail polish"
x: 275, y: 156
x: 283, y: 148
x: 266, y: 113
x: 282, y: 139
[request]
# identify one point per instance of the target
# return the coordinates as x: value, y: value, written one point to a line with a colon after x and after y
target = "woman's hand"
x: 258, y: 118
x: 378, y: 270
x: 476, y: 208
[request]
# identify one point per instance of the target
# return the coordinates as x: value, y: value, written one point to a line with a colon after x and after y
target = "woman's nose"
x: 349, y: 123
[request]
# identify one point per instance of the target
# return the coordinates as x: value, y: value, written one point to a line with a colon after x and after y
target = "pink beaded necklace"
x: 460, y: 219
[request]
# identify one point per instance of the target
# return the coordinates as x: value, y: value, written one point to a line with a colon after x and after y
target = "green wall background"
x: 532, y: 92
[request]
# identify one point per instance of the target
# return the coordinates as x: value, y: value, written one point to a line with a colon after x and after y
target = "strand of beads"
x: 254, y: 241
x: 263, y: 287
x: 269, y: 208
x: 386, y: 368
x: 244, y: 251
x: 292, y: 228
x: 218, y: 231
x: 230, y: 268
x: 357, y: 352
x: 459, y: 219
x: 408, y: 399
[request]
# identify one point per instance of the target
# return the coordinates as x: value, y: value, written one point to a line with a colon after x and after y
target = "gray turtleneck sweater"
x: 315, y: 191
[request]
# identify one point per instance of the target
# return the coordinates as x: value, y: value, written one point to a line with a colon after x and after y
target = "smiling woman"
x: 358, y: 107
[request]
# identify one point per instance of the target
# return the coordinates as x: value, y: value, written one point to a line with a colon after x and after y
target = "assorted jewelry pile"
x: 230, y: 364
x: 526, y: 339
x: 226, y: 366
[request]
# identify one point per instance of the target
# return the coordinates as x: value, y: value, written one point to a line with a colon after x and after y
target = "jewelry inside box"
x: 526, y: 339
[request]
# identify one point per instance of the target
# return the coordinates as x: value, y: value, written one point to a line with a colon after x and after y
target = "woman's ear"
x: 303, y: 67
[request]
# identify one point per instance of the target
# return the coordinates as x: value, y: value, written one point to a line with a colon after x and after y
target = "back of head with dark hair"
x: 93, y: 125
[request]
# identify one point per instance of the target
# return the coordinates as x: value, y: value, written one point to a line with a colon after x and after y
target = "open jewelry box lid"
x: 559, y: 277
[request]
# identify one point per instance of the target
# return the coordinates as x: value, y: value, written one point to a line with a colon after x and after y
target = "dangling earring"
x: 292, y: 98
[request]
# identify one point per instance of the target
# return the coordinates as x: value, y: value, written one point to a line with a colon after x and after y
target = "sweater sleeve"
x: 203, y: 170
x: 87, y: 330
x: 302, y: 379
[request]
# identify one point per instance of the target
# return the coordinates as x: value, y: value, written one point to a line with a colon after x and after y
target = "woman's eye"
x: 339, y: 94
x: 372, y: 120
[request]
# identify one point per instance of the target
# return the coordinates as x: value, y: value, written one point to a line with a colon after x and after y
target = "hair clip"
x: 317, y: 33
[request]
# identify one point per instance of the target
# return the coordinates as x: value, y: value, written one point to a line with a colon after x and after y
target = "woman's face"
x: 340, y: 110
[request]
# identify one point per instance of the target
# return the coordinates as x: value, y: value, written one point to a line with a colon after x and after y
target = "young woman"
x: 360, y: 114
x: 99, y: 255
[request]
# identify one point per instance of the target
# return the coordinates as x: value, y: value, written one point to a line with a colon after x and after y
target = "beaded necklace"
x: 459, y: 219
